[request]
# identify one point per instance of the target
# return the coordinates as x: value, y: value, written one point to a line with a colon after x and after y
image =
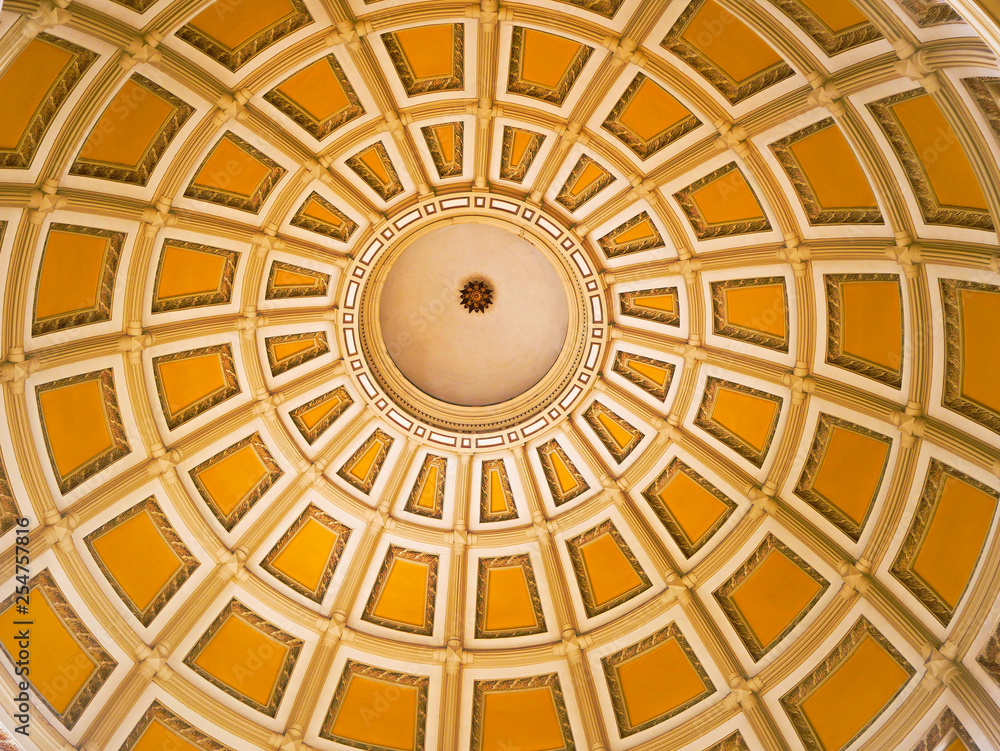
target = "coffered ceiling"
x: 754, y: 503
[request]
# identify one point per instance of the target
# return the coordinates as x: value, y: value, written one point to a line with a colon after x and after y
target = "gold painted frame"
x: 485, y: 515
x: 705, y: 230
x: 187, y: 560
x: 978, y: 88
x: 385, y: 191
x: 222, y: 296
x: 558, y: 497
x: 930, y: 14
x: 414, y: 86
x: 648, y: 385
x: 278, y: 367
x: 10, y: 514
x: 628, y: 307
x: 318, y: 129
x: 313, y: 433
x: 570, y: 202
x: 430, y: 560
x: 431, y: 460
x: 482, y: 586
x: 611, y: 250
x: 230, y: 388
x: 444, y: 167
x: 272, y: 292
x: 643, y: 147
x: 946, y: 728
x: 368, y: 483
x: 830, y: 41
x: 343, y: 532
x: 517, y: 172
x: 704, y: 419
x: 302, y: 220
x: 251, y: 203
x: 551, y: 680
x: 517, y: 85
x: 619, y: 453
x: 235, y: 609
x: 720, y: 313
x: 187, y: 733
x: 573, y: 545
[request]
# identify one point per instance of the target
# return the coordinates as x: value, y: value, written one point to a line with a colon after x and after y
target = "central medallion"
x: 477, y: 296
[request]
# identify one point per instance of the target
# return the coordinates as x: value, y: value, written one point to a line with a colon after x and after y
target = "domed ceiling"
x: 547, y: 376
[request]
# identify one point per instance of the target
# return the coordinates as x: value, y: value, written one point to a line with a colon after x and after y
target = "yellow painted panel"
x: 980, y: 354
x: 523, y: 720
x: 160, y: 738
x: 70, y: 277
x: 957, y: 745
x: 138, y: 557
x: 186, y: 271
x: 657, y: 681
x: 833, y: 170
x: 745, y: 415
x: 228, y: 481
x: 371, y: 159
x: 954, y: 538
x: 729, y: 42
x: 318, y: 211
x: 429, y: 50
x: 608, y: 570
x: 317, y: 90
x: 191, y: 379
x: 396, y: 727
x: 233, y: 25
x: 59, y: 666
x: 128, y: 126
x: 838, y: 15
x: 591, y: 174
x: 284, y: 350
x: 727, y: 199
x: 230, y: 168
x: 850, y: 472
x: 864, y: 302
x: 75, y: 424
x: 651, y: 111
x: 641, y: 231
x: 446, y: 138
x: 618, y: 434
x: 653, y: 372
x: 564, y: 476
x: 940, y: 152
x: 244, y: 658
x: 546, y: 57
x: 694, y: 508
x: 853, y: 694
x: 404, y: 596
x: 655, y: 302
x: 760, y: 308
x: 25, y: 84
x: 305, y: 557
x: 508, y: 602
x: 428, y: 493
x: 774, y: 595
x: 498, y: 501
x: 312, y: 416
x: 286, y: 278
x: 520, y: 142
x: 363, y: 466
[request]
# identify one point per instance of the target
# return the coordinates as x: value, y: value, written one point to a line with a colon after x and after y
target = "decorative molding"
x: 221, y: 296
x: 230, y: 388
x: 516, y: 84
x: 251, y: 203
x: 311, y: 434
x: 318, y: 129
x: 320, y: 347
x: 628, y: 307
x: 366, y: 485
x: 644, y: 147
x: 445, y: 167
x: 480, y: 688
x: 705, y: 421
x: 10, y: 514
x: 272, y: 473
x: 705, y: 230
x: 830, y: 41
x: 385, y: 191
x: 651, y: 387
x: 430, y: 560
x: 311, y: 513
x: 572, y: 202
x: 320, y: 287
x: 574, y: 546
x: 720, y: 313
x: 159, y: 714
x: 517, y: 172
x: 522, y: 561
x: 926, y: 14
x: 303, y: 220
x: 946, y: 728
x: 431, y: 461
x: 611, y: 247
x: 989, y: 104
x: 835, y: 354
x: 559, y: 497
x: 414, y: 86
x: 620, y: 453
x: 485, y: 515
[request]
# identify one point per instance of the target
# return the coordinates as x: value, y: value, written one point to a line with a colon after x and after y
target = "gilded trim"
x: 437, y: 512
x: 613, y: 662
x: 544, y: 457
x: 162, y: 716
x: 234, y: 58
x: 430, y: 560
x: 414, y: 86
x: 516, y: 84
x: 644, y: 147
x: 10, y: 514
x: 523, y: 561
x: 574, y: 544
x: 517, y: 172
x: 230, y: 388
x: 902, y: 567
x: 221, y: 296
x: 113, y: 422
x: 154, y: 151
x: 606, y: 8
x: 104, y: 664
x: 720, y: 313
x: 303, y: 220
x: 481, y: 688
x: 343, y: 532
x: 945, y: 730
x: 320, y: 347
x: 274, y: 292
x: 724, y: 594
x: 733, y: 91
x: 835, y: 354
x: 187, y: 561
x: 272, y: 474
x: 572, y: 202
x: 930, y: 14
x: 236, y: 609
x: 421, y: 683
x: 705, y: 421
x: 445, y: 167
x: 620, y: 453
x: 705, y: 230
x: 830, y: 41
x: 318, y: 129
x: 628, y: 307
x: 366, y: 485
x: 613, y: 250
x: 102, y: 310
x: 933, y: 211
x: 954, y: 348
x: 385, y: 191
x: 793, y: 700
x: 255, y: 200
x: 485, y: 515
x: 312, y: 434
x: 803, y: 187
x: 979, y: 90
x: 652, y: 495
x: 732, y: 742
x: 21, y: 156
x: 651, y: 387
x: 821, y: 443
